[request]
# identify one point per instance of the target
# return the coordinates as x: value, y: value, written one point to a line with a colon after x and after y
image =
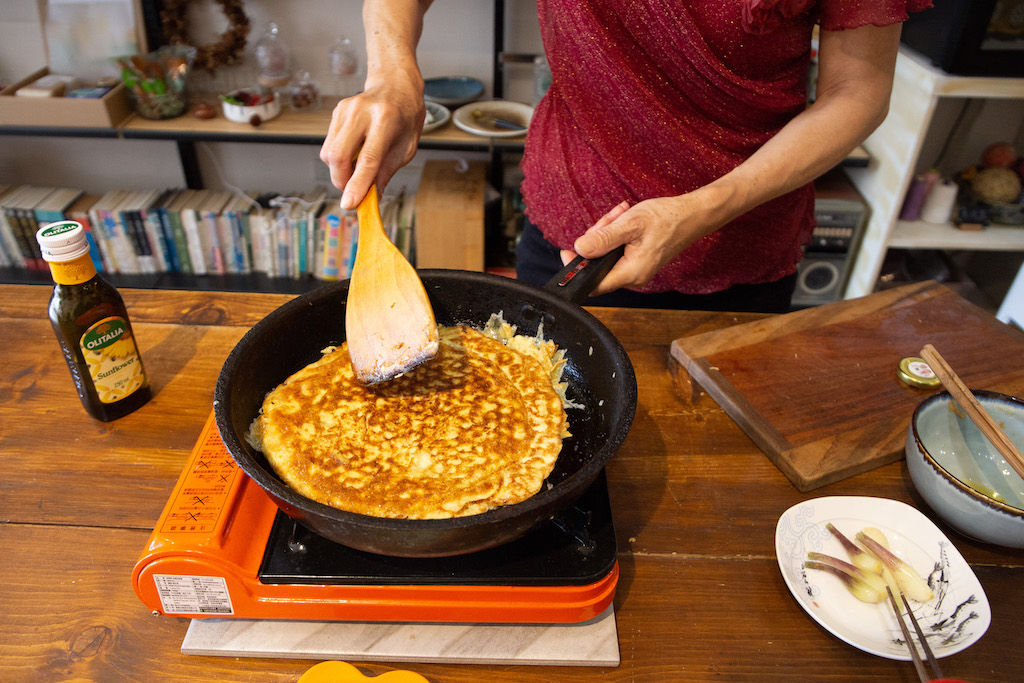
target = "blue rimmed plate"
x: 452, y: 91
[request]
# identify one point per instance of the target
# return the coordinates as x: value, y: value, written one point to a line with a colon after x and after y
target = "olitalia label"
x: 112, y: 359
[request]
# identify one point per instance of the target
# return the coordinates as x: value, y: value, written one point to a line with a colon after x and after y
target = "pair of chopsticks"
x: 965, y: 398
x: 922, y: 672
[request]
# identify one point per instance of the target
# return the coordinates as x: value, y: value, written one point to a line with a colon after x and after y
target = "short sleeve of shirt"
x: 837, y: 15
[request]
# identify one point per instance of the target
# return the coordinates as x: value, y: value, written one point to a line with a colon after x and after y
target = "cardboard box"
x: 63, y: 112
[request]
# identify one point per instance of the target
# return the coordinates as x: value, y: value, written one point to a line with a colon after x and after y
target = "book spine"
x: 215, y: 251
x: 180, y: 241
x: 332, y: 240
x: 243, y: 240
x: 155, y: 235
x: 190, y: 221
x: 350, y: 238
x: 226, y: 240
x: 163, y: 220
x: 11, y: 242
x: 137, y: 244
x: 282, y: 268
x: 95, y: 250
x: 27, y: 226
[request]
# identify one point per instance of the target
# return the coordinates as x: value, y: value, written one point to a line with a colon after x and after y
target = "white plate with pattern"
x: 954, y: 619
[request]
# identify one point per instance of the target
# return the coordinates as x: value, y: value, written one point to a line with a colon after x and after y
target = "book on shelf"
x: 10, y: 253
x: 139, y: 232
x: 190, y: 220
x: 108, y: 226
x: 261, y: 227
x: 152, y: 216
x: 235, y: 218
x: 53, y: 207
x: 209, y: 231
x: 158, y: 215
x: 19, y: 211
x: 78, y: 211
x: 200, y: 232
x: 172, y: 219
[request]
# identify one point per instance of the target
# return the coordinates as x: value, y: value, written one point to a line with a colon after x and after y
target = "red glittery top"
x: 653, y: 98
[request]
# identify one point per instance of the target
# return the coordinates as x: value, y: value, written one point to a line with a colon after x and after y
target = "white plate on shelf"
x: 954, y: 619
x: 437, y: 116
x: 476, y: 118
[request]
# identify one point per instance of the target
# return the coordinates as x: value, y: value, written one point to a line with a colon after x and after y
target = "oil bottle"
x: 92, y: 326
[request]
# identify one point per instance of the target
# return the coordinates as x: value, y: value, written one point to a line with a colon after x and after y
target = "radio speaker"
x: 820, y: 279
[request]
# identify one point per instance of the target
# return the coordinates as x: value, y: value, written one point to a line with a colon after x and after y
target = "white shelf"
x: 895, y: 149
x: 925, y: 235
x: 943, y: 84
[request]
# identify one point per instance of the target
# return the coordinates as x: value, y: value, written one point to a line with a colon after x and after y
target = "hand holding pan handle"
x: 580, y: 276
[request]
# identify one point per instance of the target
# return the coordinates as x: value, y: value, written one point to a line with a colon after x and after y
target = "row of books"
x: 199, y: 232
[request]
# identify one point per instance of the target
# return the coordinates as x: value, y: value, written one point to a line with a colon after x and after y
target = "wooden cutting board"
x: 817, y: 390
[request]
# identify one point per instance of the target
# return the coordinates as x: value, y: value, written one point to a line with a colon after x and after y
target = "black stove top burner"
x: 577, y: 548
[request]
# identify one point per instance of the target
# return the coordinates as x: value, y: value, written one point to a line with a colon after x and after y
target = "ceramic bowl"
x: 961, y: 475
x: 244, y: 114
x: 452, y: 91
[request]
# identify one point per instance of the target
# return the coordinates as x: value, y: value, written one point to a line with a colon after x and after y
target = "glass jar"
x: 345, y: 67
x: 273, y: 57
x: 303, y: 93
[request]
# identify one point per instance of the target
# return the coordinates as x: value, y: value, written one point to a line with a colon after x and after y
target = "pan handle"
x: 577, y: 279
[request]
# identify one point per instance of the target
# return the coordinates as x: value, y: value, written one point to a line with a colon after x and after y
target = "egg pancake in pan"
x: 479, y: 426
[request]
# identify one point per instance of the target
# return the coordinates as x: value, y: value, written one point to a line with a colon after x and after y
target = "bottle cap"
x: 62, y: 241
x: 915, y: 372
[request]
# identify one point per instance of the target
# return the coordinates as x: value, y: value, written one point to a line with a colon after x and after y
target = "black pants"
x: 537, y: 261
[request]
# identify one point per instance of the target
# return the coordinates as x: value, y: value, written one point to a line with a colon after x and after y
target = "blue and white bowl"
x: 961, y: 475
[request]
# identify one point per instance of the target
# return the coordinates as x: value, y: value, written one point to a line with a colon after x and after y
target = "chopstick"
x: 922, y: 672
x: 969, y: 404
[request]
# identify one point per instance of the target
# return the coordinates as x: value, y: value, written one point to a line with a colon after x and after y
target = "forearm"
x: 381, y: 125
x: 855, y: 83
x: 393, y: 29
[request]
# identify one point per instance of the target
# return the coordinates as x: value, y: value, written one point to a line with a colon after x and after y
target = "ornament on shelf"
x: 225, y: 51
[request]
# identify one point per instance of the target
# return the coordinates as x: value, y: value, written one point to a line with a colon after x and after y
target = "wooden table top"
x: 700, y: 596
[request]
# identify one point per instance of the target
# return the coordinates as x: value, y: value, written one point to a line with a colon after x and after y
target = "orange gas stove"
x: 222, y: 548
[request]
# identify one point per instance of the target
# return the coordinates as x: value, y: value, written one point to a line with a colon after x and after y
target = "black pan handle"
x: 580, y: 276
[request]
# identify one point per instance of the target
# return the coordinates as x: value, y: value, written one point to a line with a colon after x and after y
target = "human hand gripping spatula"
x: 389, y: 322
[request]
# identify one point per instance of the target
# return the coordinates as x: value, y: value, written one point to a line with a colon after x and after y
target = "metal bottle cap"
x: 915, y: 372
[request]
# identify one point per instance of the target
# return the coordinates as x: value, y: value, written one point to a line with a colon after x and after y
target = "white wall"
x: 457, y: 40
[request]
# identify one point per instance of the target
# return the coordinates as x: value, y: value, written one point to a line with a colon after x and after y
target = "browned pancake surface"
x: 479, y: 426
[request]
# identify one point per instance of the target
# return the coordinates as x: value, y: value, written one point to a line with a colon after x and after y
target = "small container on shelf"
x: 250, y: 106
x: 303, y: 93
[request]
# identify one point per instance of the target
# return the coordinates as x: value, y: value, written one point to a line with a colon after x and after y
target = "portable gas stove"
x: 222, y: 548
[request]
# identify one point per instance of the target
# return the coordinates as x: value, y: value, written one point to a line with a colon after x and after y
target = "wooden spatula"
x: 389, y: 322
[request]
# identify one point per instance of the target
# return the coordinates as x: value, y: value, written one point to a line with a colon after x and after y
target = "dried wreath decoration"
x: 225, y: 51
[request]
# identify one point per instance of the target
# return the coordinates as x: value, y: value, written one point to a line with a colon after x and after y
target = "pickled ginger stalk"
x: 864, y: 586
x: 908, y: 580
x: 858, y: 556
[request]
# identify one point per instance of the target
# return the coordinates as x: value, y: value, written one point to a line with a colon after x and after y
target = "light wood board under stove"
x: 589, y: 643
x: 817, y: 390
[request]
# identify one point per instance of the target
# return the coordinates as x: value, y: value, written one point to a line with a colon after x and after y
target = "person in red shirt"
x: 678, y: 129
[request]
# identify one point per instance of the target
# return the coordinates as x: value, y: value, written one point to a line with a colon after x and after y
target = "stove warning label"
x: 193, y: 594
x: 206, y: 487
